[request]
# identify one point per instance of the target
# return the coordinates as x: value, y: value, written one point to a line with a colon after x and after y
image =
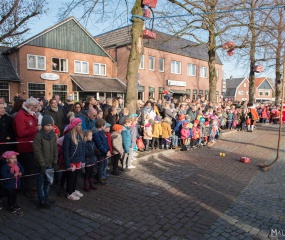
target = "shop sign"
x: 50, y: 76
x: 176, y: 83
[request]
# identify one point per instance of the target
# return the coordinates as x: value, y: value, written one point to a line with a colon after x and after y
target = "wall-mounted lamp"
x: 24, y: 92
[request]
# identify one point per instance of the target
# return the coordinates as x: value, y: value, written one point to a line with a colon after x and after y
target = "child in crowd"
x: 207, y: 133
x: 166, y: 132
x: 118, y: 150
x: 177, y: 129
x: 229, y: 120
x: 196, y: 135
x: 109, y: 139
x: 127, y: 143
x: 122, y: 115
x: 156, y: 131
x: 99, y: 114
x: 46, y: 158
x: 14, y: 170
x: 185, y: 134
x: 202, y: 132
x: 101, y: 142
x: 74, y: 156
x: 147, y: 135
x: 135, y: 135
x: 90, y: 161
x: 235, y: 119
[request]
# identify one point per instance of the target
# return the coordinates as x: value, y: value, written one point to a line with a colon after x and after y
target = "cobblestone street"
x: 172, y: 195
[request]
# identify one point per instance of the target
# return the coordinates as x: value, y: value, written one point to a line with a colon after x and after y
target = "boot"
x: 124, y: 161
x: 248, y: 128
x: 86, y: 185
x: 91, y: 184
x: 251, y: 128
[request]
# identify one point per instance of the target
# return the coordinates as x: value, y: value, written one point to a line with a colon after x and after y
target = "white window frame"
x: 240, y: 92
x: 5, y: 89
x: 36, y: 68
x: 244, y: 85
x: 202, y: 71
x: 28, y: 90
x: 81, y: 66
x: 217, y: 73
x: 149, y: 63
x: 59, y: 63
x: 246, y: 93
x: 141, y: 62
x: 100, y: 74
x: 161, y: 70
x: 260, y: 91
x: 268, y: 93
x: 190, y: 67
x: 175, y: 70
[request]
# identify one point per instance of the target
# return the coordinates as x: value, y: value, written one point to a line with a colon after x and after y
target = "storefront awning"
x: 180, y: 92
x: 99, y: 84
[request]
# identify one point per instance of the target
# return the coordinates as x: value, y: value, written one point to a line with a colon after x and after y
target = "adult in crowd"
x: 67, y: 106
x: 88, y: 120
x: 140, y: 113
x: 149, y: 112
x: 90, y: 103
x: 108, y: 104
x: 192, y: 112
x: 6, y: 131
x: 17, y: 106
x: 77, y: 109
x: 6, y: 106
x: 57, y: 115
x: 17, y: 97
x: 112, y: 116
x: 120, y: 103
x: 26, y: 127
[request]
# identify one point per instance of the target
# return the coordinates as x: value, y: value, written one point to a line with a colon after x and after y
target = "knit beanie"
x: 47, y: 119
x: 117, y: 127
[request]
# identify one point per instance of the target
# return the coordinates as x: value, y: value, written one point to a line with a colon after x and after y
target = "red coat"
x: 196, y: 133
x: 24, y: 125
x: 109, y: 139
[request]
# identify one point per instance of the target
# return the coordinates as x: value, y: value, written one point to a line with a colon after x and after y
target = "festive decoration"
x: 146, y: 13
x: 150, y: 3
x: 229, y: 45
x: 258, y: 69
x: 230, y: 52
x: 245, y: 160
x: 147, y: 34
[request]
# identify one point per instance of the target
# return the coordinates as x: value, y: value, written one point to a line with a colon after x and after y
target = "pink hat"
x: 9, y: 154
x: 73, y: 123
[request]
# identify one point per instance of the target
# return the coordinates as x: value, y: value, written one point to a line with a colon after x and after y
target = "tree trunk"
x: 134, y: 58
x: 212, y: 62
x: 278, y: 68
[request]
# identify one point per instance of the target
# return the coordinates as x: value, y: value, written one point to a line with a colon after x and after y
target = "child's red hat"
x: 56, y: 130
x: 196, y: 121
x: 185, y: 124
x: 181, y: 117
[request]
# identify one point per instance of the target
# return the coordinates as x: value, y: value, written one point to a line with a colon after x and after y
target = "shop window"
x: 142, y: 62
x: 161, y: 64
x: 200, y: 93
x: 206, y: 94
x: 5, y: 91
x: 36, y: 62
x: 175, y: 67
x: 81, y: 67
x: 151, y: 63
x: 61, y: 90
x: 203, y: 72
x: 151, y: 93
x: 194, y: 96
x: 99, y: 69
x: 59, y: 64
x: 141, y: 95
x: 191, y: 69
x: 36, y: 90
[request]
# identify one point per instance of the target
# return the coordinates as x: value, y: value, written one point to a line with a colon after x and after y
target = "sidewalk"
x: 171, y: 195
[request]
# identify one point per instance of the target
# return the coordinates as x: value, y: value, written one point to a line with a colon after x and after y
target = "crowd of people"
x: 49, y: 142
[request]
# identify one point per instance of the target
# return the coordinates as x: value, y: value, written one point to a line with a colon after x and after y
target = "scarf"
x: 28, y: 110
x: 147, y: 109
x: 14, y: 168
x: 54, y: 109
x: 48, y: 136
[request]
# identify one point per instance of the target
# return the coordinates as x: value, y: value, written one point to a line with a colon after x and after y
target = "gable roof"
x: 67, y: 35
x: 232, y: 85
x: 7, y: 72
x: 163, y: 42
x: 259, y: 81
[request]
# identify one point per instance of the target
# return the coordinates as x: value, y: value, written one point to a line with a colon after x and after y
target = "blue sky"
x: 49, y: 19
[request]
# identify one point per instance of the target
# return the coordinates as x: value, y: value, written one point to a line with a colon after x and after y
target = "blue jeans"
x: 174, y: 140
x: 146, y: 144
x: 102, y: 167
x: 42, y: 187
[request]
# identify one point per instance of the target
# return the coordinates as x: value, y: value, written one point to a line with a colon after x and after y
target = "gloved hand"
x: 43, y: 170
x: 55, y: 167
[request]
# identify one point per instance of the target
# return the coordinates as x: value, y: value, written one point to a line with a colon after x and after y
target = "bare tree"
x: 14, y: 16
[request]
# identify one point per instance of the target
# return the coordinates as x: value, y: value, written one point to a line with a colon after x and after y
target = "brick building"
x: 264, y: 91
x: 167, y: 63
x: 64, y: 59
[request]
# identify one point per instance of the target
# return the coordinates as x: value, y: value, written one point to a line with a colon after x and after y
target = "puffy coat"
x: 112, y: 119
x: 14, y: 183
x: 86, y: 122
x: 109, y: 139
x: 73, y: 153
x: 185, y: 133
x: 101, y: 142
x: 90, y: 153
x: 45, y: 151
x: 157, y: 130
x: 58, y: 117
x: 147, y: 134
x: 127, y: 139
x: 117, y: 142
x: 178, y: 127
x: 134, y: 134
x: 196, y: 133
x: 166, y: 129
x: 24, y: 125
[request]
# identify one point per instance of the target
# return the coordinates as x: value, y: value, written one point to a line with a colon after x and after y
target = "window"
x: 266, y: 93
x: 191, y: 69
x: 260, y: 93
x: 175, y: 67
x: 246, y: 92
x: 244, y: 85
x: 194, y: 96
x: 200, y: 93
x: 81, y: 67
x: 203, y: 72
x: 142, y: 62
x: 161, y: 64
x: 59, y: 64
x: 217, y: 72
x: 36, y: 62
x: 60, y: 90
x: 36, y: 90
x: 151, y: 63
x: 99, y: 69
x: 5, y: 91
x: 240, y: 92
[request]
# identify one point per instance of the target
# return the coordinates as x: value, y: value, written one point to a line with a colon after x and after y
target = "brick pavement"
x: 170, y: 195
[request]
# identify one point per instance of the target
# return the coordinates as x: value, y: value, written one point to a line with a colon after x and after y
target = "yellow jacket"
x: 156, y: 130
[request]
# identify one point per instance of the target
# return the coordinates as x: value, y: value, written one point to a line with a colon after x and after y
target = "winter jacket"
x: 45, y: 151
x: 58, y: 117
x: 24, y: 125
x: 73, y: 153
x: 122, y: 117
x: 86, y: 122
x: 185, y: 133
x: 196, y: 133
x: 101, y: 142
x: 14, y: 183
x: 147, y: 134
x: 192, y: 114
x: 90, y: 153
x: 127, y: 139
x: 117, y: 142
x: 178, y: 127
x: 112, y: 119
x: 166, y: 130
x: 230, y: 117
x: 6, y: 130
x: 134, y: 133
x: 157, y: 130
x: 109, y: 139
